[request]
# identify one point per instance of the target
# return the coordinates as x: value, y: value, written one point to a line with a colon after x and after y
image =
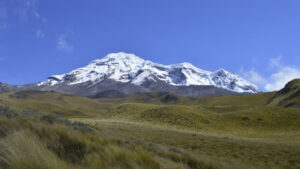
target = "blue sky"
x: 257, y: 39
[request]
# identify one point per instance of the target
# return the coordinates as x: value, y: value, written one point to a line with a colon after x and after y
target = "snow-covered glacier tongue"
x: 131, y: 69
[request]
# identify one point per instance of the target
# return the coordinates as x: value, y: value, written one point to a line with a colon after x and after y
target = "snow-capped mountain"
x: 122, y: 68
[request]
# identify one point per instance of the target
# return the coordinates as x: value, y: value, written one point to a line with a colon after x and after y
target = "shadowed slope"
x: 289, y: 96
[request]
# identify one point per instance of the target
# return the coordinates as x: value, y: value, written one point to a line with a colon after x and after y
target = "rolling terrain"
x: 150, y: 130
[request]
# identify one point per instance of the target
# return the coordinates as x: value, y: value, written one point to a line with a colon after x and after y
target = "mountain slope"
x: 53, y: 103
x: 128, y: 74
x: 289, y: 96
x: 6, y: 87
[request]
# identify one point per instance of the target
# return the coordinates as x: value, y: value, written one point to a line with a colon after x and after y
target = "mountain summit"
x: 132, y: 70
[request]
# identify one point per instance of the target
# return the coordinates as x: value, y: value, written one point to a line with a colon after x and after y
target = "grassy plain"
x: 155, y: 130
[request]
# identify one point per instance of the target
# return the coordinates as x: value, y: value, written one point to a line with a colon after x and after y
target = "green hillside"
x: 152, y: 98
x: 289, y: 96
x: 224, y: 104
x: 54, y: 103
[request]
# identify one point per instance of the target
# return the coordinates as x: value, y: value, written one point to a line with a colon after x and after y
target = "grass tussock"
x: 22, y: 149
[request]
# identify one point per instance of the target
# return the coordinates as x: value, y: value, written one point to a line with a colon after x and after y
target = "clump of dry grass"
x: 57, y: 146
x: 23, y: 150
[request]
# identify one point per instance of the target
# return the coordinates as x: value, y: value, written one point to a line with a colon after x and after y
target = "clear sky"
x: 257, y: 39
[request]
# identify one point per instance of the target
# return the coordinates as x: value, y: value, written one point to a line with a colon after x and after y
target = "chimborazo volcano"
x: 121, y: 74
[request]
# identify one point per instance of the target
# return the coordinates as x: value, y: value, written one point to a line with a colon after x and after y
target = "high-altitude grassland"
x: 150, y: 130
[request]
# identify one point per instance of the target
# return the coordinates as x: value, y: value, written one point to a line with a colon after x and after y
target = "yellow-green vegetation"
x: 46, y: 142
x: 54, y: 103
x: 289, y: 96
x: 151, y: 98
x: 225, y: 104
x: 245, y: 116
x: 154, y: 130
x: 219, y: 150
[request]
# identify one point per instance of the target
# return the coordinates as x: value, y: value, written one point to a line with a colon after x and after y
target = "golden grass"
x: 54, y: 103
x: 35, y: 143
x: 219, y: 150
x: 218, y: 132
x: 23, y: 150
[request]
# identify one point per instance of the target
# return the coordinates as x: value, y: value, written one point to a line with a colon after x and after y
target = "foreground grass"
x: 45, y: 142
